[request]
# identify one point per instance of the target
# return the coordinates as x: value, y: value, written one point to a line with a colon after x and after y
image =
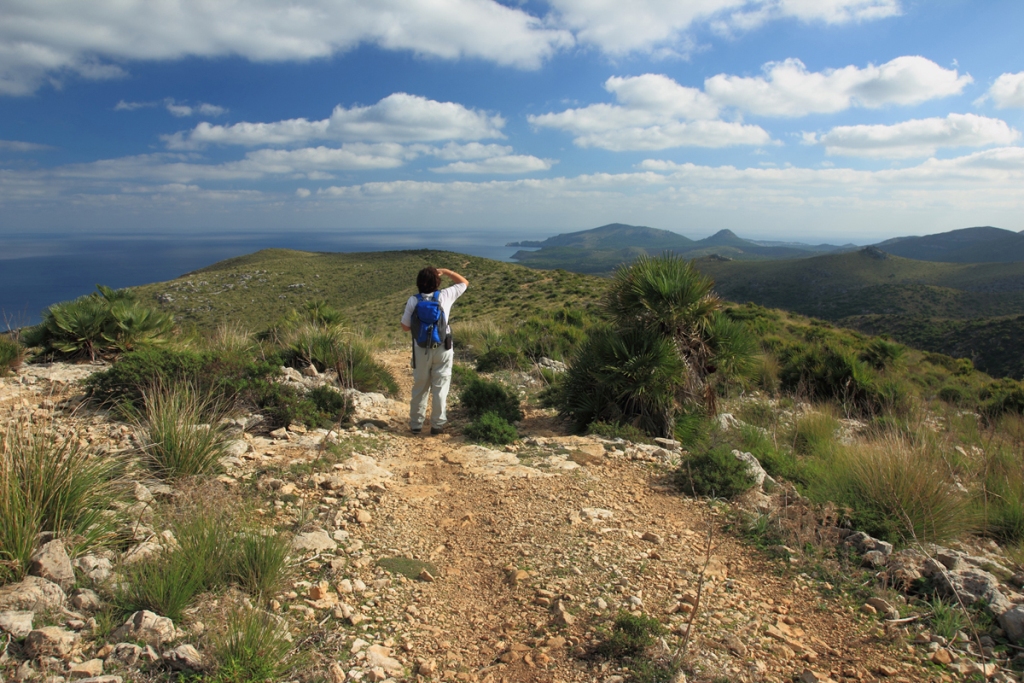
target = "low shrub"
x: 331, y: 404
x: 260, y: 563
x: 491, y: 428
x: 630, y: 636
x: 252, y: 647
x: 954, y: 394
x: 895, y: 490
x: 1003, y: 397
x: 104, y: 322
x: 884, y: 355
x: 49, y: 483
x: 11, y: 354
x: 815, y: 434
x: 482, y: 396
x: 1003, y: 504
x: 715, y: 472
x: 611, y: 430
x: 462, y: 376
x: 180, y: 432
x: 777, y: 462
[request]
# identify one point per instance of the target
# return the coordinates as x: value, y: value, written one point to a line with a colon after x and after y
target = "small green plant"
x: 253, y: 648
x: 612, y: 430
x: 50, y: 483
x: 259, y: 563
x: 815, y: 434
x: 164, y: 584
x: 630, y: 636
x: 406, y: 566
x: 491, y: 428
x: 11, y: 354
x: 715, y: 472
x: 482, y: 396
x: 330, y: 403
x: 947, y: 619
x: 180, y: 432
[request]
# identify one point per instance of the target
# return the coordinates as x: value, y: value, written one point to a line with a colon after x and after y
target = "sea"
x: 41, y: 269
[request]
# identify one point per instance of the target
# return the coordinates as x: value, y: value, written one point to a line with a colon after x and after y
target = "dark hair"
x: 428, y: 280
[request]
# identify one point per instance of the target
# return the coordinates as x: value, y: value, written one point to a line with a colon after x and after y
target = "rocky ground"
x: 428, y: 558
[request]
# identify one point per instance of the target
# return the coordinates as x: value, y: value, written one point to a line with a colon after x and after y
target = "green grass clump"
x: 482, y: 396
x: 49, y: 483
x: 260, y: 563
x: 252, y: 648
x: 630, y: 636
x: 11, y: 354
x: 815, y: 434
x: 947, y: 619
x: 894, y: 489
x: 491, y: 428
x: 180, y: 432
x: 612, y: 430
x: 714, y: 472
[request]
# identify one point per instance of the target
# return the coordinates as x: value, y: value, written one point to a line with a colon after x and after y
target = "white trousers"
x: 432, y: 373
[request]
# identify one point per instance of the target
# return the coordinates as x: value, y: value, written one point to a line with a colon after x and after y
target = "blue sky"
x: 839, y: 120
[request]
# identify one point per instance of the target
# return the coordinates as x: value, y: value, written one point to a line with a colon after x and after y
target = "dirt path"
x: 533, y: 552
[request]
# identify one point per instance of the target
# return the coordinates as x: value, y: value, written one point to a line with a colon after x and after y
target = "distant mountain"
x: 603, y: 249
x: 969, y: 245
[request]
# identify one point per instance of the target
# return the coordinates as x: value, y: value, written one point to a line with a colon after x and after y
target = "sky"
x: 811, y: 120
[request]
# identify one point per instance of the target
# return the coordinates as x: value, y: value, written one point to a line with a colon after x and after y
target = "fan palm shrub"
x: 106, y: 321
x: 668, y: 338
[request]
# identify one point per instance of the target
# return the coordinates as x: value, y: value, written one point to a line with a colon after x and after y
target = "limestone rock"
x: 754, y: 468
x: 17, y: 623
x: 52, y: 563
x: 184, y: 658
x: 148, y: 627
x: 973, y: 584
x: 1012, y: 621
x: 101, y: 679
x: 99, y: 569
x: 380, y: 656
x: 316, y: 541
x: 34, y: 594
x: 126, y: 653
x: 87, y: 669
x: 50, y: 641
x: 236, y: 448
x: 85, y: 599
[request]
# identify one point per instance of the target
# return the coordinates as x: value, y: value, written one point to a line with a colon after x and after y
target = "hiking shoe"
x: 415, y: 430
x: 435, y: 431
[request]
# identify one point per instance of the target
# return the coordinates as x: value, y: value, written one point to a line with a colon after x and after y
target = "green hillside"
x: 371, y: 288
x: 601, y: 250
x: 969, y: 245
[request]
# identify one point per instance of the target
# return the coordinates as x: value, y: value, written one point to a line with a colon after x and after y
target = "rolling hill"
x: 969, y: 245
x: 601, y: 250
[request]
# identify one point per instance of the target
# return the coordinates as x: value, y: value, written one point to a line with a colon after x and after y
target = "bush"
x: 180, y: 432
x: 11, y: 354
x: 252, y: 648
x: 331, y: 348
x: 884, y: 355
x: 611, y: 430
x: 482, y: 396
x: 629, y: 377
x: 953, y: 394
x: 48, y: 483
x: 260, y: 563
x: 462, y: 376
x: 815, y: 434
x: 895, y: 490
x: 631, y: 635
x: 776, y: 462
x: 491, y: 428
x: 715, y: 472
x: 104, y: 322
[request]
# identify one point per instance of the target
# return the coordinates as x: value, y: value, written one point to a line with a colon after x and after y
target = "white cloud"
x: 133, y: 106
x: 91, y: 38
x: 20, y: 146
x: 788, y: 89
x: 399, y: 117
x: 302, y: 193
x: 619, y: 28
x: 824, y: 11
x: 1007, y: 91
x: 203, y: 108
x: 513, y: 163
x: 654, y: 112
x: 453, y: 151
x: 916, y: 138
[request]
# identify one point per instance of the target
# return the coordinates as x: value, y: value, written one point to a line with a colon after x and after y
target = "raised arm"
x: 455, y: 277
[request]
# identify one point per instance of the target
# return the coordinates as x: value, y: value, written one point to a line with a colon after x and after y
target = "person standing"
x: 432, y: 362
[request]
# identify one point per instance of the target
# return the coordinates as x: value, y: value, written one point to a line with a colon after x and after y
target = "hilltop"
x: 969, y: 245
x: 601, y: 250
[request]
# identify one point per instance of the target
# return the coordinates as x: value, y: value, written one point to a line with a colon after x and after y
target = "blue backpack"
x: 428, y: 324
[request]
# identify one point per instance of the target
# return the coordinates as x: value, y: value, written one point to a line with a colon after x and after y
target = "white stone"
x: 316, y: 541
x: 17, y: 623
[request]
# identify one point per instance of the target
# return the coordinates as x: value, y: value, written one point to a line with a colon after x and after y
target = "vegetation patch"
x: 11, y: 354
x: 715, y: 472
x: 482, y: 396
x: 491, y: 428
x: 180, y: 432
x: 406, y: 566
x: 252, y: 646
